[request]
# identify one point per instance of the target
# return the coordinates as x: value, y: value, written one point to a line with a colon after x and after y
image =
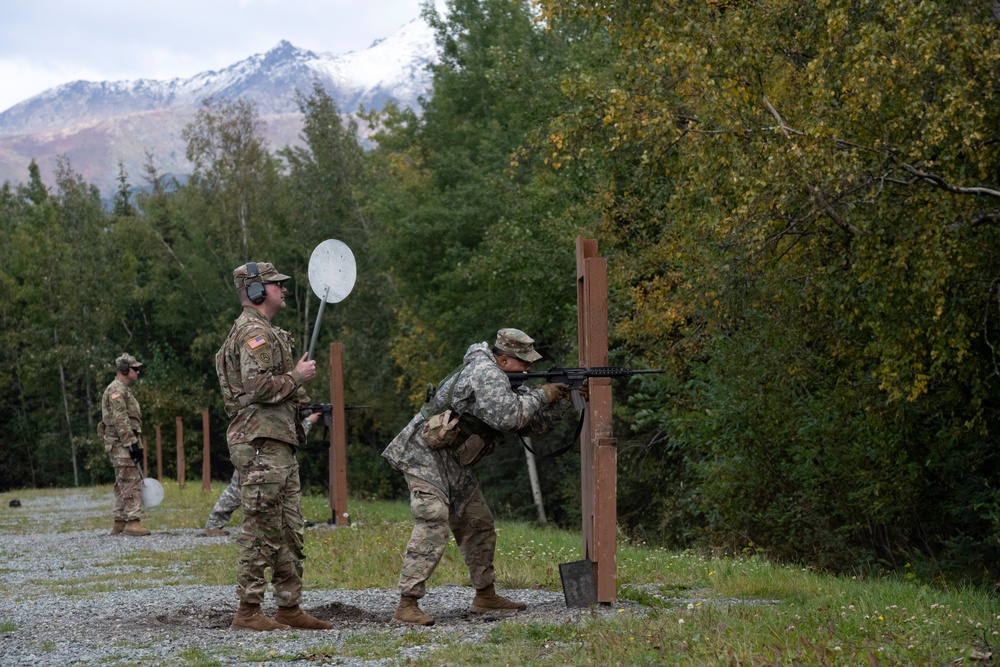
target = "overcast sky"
x: 44, y: 43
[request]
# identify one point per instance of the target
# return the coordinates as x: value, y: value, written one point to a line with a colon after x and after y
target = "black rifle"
x: 325, y: 409
x: 574, y: 379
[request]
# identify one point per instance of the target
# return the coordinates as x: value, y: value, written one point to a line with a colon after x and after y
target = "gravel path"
x: 175, y: 624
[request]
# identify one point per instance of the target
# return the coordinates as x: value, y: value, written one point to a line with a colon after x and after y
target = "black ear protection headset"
x: 123, y: 366
x: 256, y: 291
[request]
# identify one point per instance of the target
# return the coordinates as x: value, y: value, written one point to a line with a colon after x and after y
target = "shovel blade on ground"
x: 579, y: 584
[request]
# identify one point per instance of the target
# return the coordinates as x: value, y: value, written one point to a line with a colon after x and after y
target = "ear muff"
x: 123, y: 367
x: 256, y: 291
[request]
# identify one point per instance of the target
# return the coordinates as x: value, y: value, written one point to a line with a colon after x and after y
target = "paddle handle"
x: 315, y: 333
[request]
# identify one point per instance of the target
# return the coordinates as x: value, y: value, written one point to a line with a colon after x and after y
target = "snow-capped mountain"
x: 96, y: 125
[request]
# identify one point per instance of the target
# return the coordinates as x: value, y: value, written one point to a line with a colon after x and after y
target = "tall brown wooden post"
x: 159, y: 455
x: 338, y: 438
x: 180, y: 451
x: 206, y: 455
x: 598, y: 450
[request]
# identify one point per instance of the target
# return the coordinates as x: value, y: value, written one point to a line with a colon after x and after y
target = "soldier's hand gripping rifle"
x: 575, y: 377
x: 325, y: 409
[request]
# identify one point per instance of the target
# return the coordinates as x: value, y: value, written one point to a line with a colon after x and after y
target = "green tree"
x: 329, y: 184
x: 802, y: 201
x: 57, y: 263
x: 474, y: 231
x: 467, y: 226
x: 235, y: 175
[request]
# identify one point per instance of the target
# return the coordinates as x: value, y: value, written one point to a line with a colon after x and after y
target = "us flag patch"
x: 115, y: 395
x: 254, y: 343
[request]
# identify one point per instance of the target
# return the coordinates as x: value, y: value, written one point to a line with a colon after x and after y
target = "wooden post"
x: 159, y: 456
x: 338, y: 439
x: 180, y: 452
x: 598, y: 449
x: 206, y: 455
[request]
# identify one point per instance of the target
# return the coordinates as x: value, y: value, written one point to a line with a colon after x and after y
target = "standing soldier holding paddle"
x: 261, y: 384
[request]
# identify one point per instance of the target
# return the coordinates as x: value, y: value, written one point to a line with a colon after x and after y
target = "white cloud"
x: 23, y: 78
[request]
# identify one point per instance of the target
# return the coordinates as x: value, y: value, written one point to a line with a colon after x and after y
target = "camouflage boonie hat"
x: 516, y: 343
x: 266, y: 271
x: 127, y: 359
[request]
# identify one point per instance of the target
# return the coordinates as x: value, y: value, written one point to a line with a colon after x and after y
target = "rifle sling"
x: 562, y: 450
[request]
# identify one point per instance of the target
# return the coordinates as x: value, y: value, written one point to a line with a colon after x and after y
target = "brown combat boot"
x: 118, y: 527
x: 250, y: 617
x: 487, y: 600
x: 408, y: 611
x: 297, y: 618
x: 135, y: 528
x: 214, y: 532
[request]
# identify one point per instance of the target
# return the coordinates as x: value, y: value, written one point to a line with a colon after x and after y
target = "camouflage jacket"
x: 121, y: 419
x: 480, y: 389
x: 260, y: 386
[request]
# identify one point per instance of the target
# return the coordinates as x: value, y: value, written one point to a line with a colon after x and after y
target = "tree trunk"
x: 69, y: 422
x: 536, y: 489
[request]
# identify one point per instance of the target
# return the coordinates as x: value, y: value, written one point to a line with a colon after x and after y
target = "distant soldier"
x: 462, y: 422
x: 121, y: 431
x: 261, y: 385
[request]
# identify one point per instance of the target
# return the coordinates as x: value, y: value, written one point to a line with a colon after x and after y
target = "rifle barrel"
x: 592, y: 371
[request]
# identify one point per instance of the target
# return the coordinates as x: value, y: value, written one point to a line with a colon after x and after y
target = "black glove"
x: 135, y: 453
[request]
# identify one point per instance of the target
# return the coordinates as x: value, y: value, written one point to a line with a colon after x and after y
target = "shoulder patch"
x: 261, y: 350
x: 115, y: 395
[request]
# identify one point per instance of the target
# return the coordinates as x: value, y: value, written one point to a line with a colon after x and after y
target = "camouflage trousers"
x: 226, y: 504
x: 273, y: 532
x: 464, y: 512
x: 128, y: 492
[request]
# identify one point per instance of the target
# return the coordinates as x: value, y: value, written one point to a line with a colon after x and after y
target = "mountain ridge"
x: 97, y: 125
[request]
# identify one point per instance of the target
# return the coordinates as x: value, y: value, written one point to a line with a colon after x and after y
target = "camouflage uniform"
x: 230, y: 499
x: 444, y: 493
x: 120, y: 428
x: 226, y: 504
x: 261, y: 389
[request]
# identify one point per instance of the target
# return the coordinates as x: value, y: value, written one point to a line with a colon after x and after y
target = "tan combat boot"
x: 118, y: 527
x: 408, y: 611
x: 135, y: 528
x: 250, y: 617
x: 297, y: 618
x: 214, y: 532
x: 487, y: 600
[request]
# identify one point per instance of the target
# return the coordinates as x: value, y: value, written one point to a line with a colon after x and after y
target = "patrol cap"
x: 265, y: 270
x: 127, y: 359
x: 516, y: 343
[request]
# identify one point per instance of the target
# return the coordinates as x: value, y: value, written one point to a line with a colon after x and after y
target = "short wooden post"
x: 159, y: 455
x: 598, y: 449
x: 180, y: 451
x: 338, y: 439
x: 206, y: 455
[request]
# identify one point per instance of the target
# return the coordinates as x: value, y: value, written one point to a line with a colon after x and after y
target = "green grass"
x: 697, y: 609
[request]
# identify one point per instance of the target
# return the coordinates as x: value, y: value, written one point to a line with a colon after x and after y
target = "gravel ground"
x: 175, y: 624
